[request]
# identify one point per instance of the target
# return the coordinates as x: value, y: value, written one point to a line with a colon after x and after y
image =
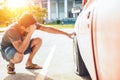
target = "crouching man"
x: 16, y: 41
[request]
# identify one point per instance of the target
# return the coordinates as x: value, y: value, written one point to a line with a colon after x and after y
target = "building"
x: 59, y: 9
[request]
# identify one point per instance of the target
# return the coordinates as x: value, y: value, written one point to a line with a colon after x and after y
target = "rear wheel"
x: 80, y: 67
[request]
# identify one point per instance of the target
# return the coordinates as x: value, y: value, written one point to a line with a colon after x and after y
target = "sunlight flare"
x: 15, y: 3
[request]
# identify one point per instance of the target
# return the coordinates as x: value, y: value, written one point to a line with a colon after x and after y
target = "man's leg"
x: 11, y: 68
x: 10, y: 54
x: 17, y: 58
x: 35, y: 45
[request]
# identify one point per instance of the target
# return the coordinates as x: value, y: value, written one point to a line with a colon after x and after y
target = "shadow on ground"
x: 25, y: 76
x: 20, y: 76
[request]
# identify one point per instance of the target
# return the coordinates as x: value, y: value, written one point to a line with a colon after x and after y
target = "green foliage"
x: 39, y: 12
x: 60, y: 26
x: 5, y: 15
x: 9, y: 15
x: 58, y: 21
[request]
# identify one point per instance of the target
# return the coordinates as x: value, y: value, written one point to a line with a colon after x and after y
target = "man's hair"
x: 27, y: 19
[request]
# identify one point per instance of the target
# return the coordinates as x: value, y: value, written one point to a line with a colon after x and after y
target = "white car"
x: 97, y: 40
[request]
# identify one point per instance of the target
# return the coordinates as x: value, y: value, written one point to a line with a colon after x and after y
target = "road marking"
x: 43, y: 72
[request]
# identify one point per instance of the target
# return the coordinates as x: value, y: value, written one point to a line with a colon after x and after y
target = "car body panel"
x: 83, y: 31
x: 98, y: 38
x: 106, y: 31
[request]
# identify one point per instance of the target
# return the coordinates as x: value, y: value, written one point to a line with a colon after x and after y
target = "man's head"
x: 27, y: 19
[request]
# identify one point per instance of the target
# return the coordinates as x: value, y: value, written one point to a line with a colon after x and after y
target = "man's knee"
x: 37, y: 41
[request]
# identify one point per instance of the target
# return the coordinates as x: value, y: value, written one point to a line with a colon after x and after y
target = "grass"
x: 60, y: 26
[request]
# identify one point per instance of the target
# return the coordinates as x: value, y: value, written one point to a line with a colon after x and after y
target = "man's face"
x: 25, y: 30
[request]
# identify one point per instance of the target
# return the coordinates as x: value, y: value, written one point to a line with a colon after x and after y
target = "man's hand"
x: 71, y: 35
x: 31, y: 29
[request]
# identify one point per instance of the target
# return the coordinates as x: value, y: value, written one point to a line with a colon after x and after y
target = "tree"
x: 9, y: 15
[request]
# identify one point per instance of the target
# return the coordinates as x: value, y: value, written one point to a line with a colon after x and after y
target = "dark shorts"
x: 9, y: 52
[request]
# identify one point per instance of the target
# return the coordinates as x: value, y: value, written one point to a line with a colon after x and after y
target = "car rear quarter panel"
x: 107, y: 39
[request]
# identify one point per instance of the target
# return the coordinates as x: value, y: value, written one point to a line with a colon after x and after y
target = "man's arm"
x: 53, y: 30
x: 22, y: 45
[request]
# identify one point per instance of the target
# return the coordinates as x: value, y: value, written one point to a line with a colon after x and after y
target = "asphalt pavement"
x: 55, y: 55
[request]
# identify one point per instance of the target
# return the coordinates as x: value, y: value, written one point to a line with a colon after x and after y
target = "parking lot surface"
x: 56, y: 57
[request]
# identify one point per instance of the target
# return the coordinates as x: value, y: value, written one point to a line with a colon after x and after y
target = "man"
x: 17, y: 42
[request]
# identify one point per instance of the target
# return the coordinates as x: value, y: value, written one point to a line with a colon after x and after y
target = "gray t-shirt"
x: 12, y: 34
